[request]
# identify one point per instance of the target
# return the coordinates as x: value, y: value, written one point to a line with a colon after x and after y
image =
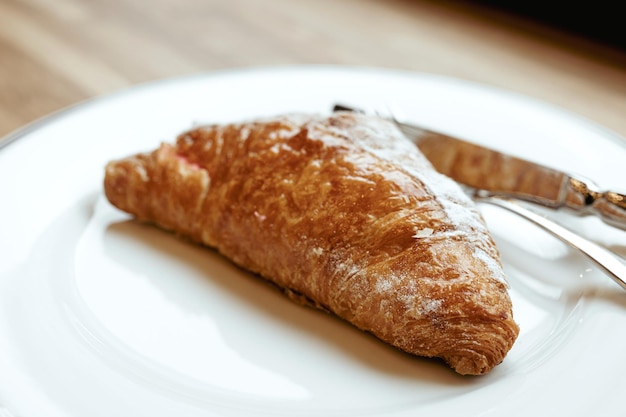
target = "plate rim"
x: 41, y: 121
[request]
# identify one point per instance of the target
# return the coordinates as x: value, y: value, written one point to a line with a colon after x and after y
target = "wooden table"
x: 56, y: 53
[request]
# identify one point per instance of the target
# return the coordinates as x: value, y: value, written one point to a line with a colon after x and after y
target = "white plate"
x: 101, y: 316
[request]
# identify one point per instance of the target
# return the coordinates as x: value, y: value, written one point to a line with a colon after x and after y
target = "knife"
x: 498, y: 174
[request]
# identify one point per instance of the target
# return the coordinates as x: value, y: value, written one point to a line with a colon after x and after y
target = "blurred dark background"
x: 597, y: 20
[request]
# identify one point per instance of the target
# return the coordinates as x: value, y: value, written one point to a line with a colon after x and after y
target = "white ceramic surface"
x: 102, y: 316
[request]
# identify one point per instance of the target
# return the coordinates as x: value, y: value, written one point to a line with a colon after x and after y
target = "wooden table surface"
x: 57, y: 53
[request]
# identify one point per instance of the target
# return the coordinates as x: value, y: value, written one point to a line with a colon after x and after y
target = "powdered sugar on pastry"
x: 398, y: 150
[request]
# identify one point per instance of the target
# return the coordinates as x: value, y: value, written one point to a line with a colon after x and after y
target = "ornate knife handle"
x: 584, y: 197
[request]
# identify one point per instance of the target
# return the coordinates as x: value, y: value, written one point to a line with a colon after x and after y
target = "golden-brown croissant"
x: 343, y: 213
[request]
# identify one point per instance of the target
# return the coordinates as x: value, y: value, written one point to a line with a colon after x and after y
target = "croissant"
x: 343, y: 213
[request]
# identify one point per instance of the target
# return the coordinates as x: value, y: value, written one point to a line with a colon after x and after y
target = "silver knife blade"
x: 499, y: 174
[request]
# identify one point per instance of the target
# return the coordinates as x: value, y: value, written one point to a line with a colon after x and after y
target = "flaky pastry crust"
x: 342, y: 213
